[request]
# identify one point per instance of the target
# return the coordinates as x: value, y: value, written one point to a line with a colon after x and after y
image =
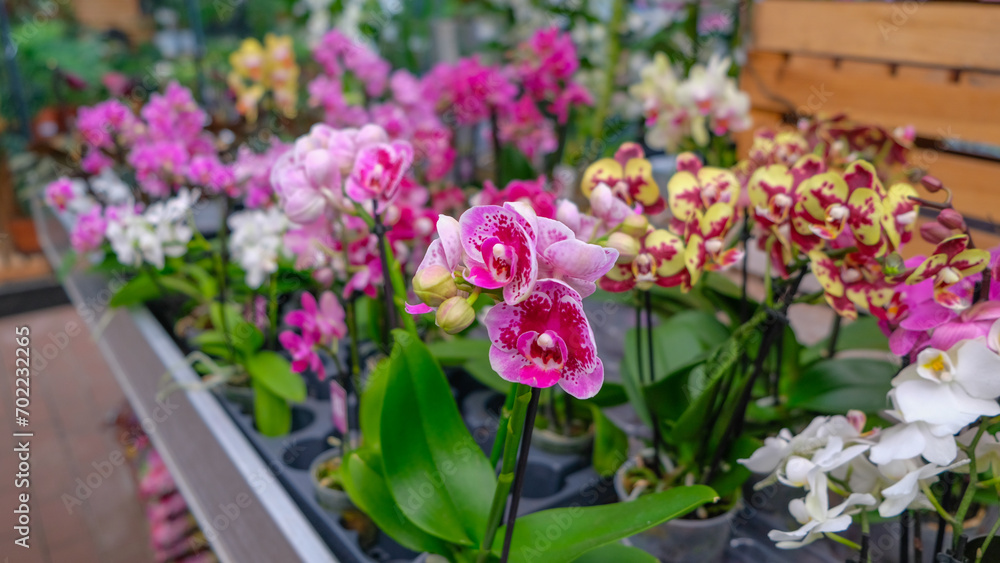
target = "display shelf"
x: 236, y: 497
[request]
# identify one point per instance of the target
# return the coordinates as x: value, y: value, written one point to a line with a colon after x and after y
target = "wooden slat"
x: 936, y: 109
x: 948, y: 34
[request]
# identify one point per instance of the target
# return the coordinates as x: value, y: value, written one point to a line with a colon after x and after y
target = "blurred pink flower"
x: 88, y: 232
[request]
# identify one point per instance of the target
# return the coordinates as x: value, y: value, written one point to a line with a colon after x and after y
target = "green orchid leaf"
x: 272, y: 415
x: 583, y: 529
x: 838, y: 385
x: 137, y: 290
x: 366, y: 486
x: 437, y: 473
x: 272, y: 371
x: 472, y: 354
x: 610, y: 444
x: 862, y: 334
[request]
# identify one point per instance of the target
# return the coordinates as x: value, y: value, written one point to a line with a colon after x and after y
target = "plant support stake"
x: 522, y: 466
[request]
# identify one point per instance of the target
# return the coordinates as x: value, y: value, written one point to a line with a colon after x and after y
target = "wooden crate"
x: 933, y: 65
x: 123, y: 15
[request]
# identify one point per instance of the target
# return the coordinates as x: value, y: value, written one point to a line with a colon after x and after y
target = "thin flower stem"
x: 904, y: 541
x: 970, y: 491
x: 831, y: 349
x: 272, y: 312
x: 992, y: 533
x: 523, y: 396
x: 937, y: 504
x: 842, y: 541
x: 498, y: 441
x: 497, y: 148
x: 522, y: 466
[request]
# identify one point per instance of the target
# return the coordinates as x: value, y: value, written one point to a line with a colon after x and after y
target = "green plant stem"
x: 970, y: 491
x: 501, y: 435
x: 842, y: 541
x: 272, y: 312
x: 937, y: 504
x: 865, y: 538
x: 352, y: 332
x: 992, y: 533
x: 515, y: 427
x: 611, y: 65
x: 519, y: 473
x: 398, y: 288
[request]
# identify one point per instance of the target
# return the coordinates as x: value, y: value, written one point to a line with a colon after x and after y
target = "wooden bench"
x: 933, y: 65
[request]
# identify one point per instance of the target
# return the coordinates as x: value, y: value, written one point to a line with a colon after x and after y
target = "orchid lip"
x: 838, y: 212
x: 949, y: 276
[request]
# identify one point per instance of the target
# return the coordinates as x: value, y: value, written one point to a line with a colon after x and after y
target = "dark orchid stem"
x: 831, y: 348
x: 352, y: 331
x: 495, y: 137
x: 390, y: 306
x: 918, y: 538
x: 779, y: 358
x: 984, y: 289
x: 651, y: 375
x: 946, y: 501
x: 904, y: 540
x: 522, y: 466
x: 865, y: 542
x: 745, y: 237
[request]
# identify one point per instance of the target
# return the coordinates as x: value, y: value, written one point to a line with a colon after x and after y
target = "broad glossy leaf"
x: 437, y: 473
x: 272, y: 415
x: 139, y: 289
x: 610, y: 444
x: 365, y: 484
x: 274, y: 372
x: 862, y: 334
x: 372, y: 398
x: 838, y: 385
x: 610, y: 395
x: 587, y: 528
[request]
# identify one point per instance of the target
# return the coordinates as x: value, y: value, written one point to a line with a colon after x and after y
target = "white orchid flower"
x: 817, y: 518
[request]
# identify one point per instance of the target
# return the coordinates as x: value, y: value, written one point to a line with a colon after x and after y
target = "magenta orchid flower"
x: 60, y: 193
x: 974, y: 322
x: 499, y: 244
x: 303, y: 353
x: 88, y: 232
x: 322, y: 323
x: 545, y: 340
x: 378, y: 172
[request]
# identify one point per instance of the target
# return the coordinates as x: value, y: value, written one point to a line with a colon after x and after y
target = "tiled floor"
x: 73, y: 397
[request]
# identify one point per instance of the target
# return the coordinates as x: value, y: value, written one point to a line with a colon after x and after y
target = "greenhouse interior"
x: 500, y: 281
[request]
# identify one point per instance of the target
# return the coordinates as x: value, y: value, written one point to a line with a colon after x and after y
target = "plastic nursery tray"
x: 289, y: 457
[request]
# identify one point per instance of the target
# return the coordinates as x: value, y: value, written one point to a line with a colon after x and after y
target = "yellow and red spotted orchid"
x: 705, y: 248
x: 900, y: 217
x: 951, y: 262
x: 770, y: 147
x: 630, y: 177
x: 773, y: 194
x: 696, y: 188
x: 258, y: 69
x: 856, y: 283
x: 829, y: 205
x: 659, y: 260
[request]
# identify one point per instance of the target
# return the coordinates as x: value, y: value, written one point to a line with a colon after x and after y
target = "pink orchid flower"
x: 951, y: 262
x: 322, y: 323
x: 546, y: 339
x: 60, y: 193
x: 499, y: 243
x: 88, y: 233
x: 562, y: 256
x: 378, y: 171
x: 304, y: 356
x: 974, y: 322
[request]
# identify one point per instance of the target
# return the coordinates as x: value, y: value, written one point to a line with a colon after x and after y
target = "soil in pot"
x: 703, y: 538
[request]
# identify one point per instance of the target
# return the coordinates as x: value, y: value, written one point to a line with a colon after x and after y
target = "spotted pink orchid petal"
x: 446, y: 250
x: 378, y: 172
x: 546, y: 340
x: 500, y: 252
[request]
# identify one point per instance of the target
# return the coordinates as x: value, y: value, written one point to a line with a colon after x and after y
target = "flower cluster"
x: 321, y: 325
x: 396, y: 102
x: 539, y: 271
x: 256, y: 242
x: 682, y: 110
x: 260, y: 69
x: 149, y: 236
x: 935, y: 400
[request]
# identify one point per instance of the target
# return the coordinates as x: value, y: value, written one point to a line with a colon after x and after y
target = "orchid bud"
x: 628, y: 151
x: 434, y: 284
x: 626, y: 245
x: 455, y: 315
x: 635, y: 225
x: 952, y: 219
x: 931, y: 183
x: 934, y: 232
